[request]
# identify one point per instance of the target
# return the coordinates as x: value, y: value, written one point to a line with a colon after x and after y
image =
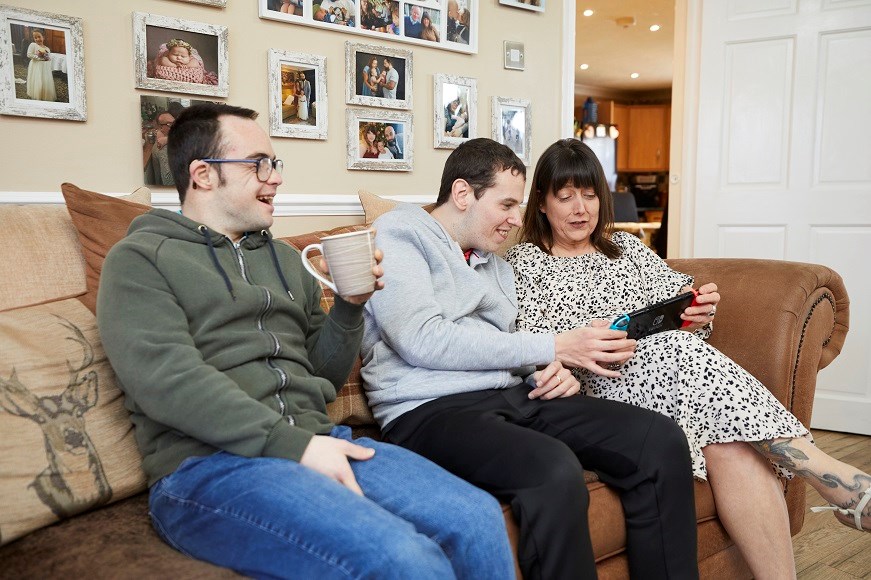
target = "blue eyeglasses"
x: 265, y: 165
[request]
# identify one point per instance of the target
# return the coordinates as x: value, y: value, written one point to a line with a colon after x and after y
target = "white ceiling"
x: 614, y: 52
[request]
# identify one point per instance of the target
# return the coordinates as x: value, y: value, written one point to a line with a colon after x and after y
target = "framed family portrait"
x: 380, y: 140
x: 534, y: 5
x: 42, y: 65
x: 378, y: 76
x: 180, y: 56
x: 512, y: 125
x: 157, y: 115
x: 456, y: 110
x: 446, y: 24
x: 297, y: 95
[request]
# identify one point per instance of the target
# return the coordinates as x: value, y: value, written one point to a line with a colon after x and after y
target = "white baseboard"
x: 286, y: 204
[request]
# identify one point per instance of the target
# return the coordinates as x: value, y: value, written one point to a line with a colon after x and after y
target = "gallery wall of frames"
x: 399, y: 96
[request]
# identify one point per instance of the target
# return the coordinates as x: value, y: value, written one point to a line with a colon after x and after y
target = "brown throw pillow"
x: 100, y: 221
x: 66, y: 440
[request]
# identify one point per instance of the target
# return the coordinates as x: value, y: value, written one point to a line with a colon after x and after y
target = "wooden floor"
x: 825, y: 549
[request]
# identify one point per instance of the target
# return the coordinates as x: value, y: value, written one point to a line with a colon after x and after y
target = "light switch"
x: 514, y: 56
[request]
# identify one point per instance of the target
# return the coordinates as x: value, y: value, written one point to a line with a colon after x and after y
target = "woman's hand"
x: 705, y: 307
x: 554, y: 381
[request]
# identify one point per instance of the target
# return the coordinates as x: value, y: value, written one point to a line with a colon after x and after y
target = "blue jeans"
x: 273, y: 518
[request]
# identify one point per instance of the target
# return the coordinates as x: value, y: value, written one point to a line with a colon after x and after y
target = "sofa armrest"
x: 782, y: 321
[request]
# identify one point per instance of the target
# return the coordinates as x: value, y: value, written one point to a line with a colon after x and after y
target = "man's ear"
x: 200, y: 174
x: 460, y: 193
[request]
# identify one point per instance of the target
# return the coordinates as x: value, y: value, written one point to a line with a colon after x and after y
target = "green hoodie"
x: 215, y: 348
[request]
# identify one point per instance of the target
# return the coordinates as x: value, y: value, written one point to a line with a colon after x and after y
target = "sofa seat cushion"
x: 66, y: 440
x: 112, y: 542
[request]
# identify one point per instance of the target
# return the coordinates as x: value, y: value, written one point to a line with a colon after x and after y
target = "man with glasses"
x: 227, y: 361
x: 155, y: 161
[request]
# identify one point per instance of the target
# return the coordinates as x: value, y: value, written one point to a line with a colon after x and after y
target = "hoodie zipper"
x: 276, y: 346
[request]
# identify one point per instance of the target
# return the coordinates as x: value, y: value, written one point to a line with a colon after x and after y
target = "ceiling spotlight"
x: 625, y: 21
x: 585, y: 66
x: 654, y: 27
x: 588, y: 12
x: 634, y: 76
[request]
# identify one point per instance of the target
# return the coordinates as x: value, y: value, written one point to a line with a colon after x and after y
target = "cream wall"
x: 104, y: 153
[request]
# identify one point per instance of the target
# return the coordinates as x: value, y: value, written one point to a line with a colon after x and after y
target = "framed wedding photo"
x: 534, y: 5
x: 378, y: 76
x: 379, y: 140
x: 455, y: 110
x: 42, y: 65
x: 180, y: 56
x: 297, y: 95
x: 512, y: 125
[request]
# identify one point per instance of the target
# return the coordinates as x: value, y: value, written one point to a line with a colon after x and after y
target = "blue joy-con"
x: 620, y: 323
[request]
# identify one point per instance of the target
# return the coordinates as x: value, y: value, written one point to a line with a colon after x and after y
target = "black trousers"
x: 532, y: 455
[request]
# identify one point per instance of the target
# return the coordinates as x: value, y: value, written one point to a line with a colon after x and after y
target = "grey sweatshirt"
x: 440, y: 326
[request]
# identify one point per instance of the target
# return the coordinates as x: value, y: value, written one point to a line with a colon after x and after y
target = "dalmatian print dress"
x: 675, y: 373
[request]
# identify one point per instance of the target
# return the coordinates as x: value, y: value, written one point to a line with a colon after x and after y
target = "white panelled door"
x: 783, y: 158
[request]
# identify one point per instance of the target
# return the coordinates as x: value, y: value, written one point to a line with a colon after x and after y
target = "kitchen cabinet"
x: 644, y: 136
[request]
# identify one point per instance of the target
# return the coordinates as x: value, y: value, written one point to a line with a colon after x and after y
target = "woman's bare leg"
x: 751, y: 507
x: 839, y: 483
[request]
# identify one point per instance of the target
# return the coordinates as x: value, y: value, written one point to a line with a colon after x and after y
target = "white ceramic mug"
x: 350, y: 258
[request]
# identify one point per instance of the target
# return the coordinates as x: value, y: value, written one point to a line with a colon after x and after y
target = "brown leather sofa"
x: 783, y: 321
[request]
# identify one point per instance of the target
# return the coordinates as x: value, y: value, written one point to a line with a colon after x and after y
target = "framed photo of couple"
x: 512, y: 125
x: 446, y: 24
x: 534, y: 5
x: 379, y: 140
x: 42, y: 68
x: 456, y: 110
x: 297, y: 95
x: 378, y: 76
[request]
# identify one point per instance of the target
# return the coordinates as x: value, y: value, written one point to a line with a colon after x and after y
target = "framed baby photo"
x: 157, y: 113
x: 534, y: 5
x: 455, y: 110
x: 180, y: 56
x: 512, y: 125
x: 380, y: 140
x: 42, y: 65
x: 297, y: 95
x: 378, y: 76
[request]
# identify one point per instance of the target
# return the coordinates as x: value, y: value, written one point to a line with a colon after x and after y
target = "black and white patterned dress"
x: 675, y: 373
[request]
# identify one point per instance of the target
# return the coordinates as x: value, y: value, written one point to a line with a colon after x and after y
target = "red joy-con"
x: 693, y: 303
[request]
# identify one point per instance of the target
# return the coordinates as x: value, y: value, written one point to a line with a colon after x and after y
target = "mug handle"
x: 311, y: 269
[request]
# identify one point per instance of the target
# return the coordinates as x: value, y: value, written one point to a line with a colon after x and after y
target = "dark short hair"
x: 568, y: 162
x: 196, y: 134
x: 477, y: 161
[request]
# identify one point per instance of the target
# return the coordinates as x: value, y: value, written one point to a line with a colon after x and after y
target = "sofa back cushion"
x: 350, y: 407
x: 39, y: 255
x: 66, y: 440
x: 101, y: 221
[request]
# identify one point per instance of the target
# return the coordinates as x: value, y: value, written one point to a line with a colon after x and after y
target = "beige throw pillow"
x: 66, y: 440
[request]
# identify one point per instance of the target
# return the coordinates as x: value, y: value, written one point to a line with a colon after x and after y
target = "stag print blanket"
x: 66, y: 442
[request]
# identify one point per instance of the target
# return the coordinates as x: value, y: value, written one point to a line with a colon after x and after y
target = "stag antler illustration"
x: 68, y: 448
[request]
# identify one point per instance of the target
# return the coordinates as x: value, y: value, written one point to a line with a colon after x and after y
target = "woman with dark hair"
x: 427, y: 30
x: 368, y: 148
x: 572, y: 270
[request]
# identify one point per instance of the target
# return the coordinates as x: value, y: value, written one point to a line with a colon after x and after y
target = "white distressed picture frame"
x: 506, y: 124
x: 318, y: 107
x: 76, y: 108
x: 357, y: 118
x: 141, y: 56
x: 448, y: 88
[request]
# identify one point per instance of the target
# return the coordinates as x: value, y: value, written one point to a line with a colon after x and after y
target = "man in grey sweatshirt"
x: 447, y: 377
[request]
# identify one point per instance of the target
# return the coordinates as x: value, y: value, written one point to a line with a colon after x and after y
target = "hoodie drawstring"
x: 205, y: 231
x: 277, y: 265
